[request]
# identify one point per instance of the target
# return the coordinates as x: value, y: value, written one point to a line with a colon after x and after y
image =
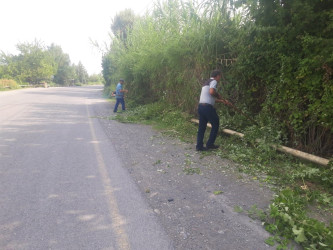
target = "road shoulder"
x: 194, y: 195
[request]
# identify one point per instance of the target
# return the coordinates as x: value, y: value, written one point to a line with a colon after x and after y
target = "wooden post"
x: 284, y: 149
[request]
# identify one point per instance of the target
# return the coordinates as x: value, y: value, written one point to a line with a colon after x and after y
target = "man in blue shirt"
x: 120, y: 95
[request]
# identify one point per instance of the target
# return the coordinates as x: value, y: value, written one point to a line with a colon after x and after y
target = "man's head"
x: 121, y: 81
x: 216, y: 74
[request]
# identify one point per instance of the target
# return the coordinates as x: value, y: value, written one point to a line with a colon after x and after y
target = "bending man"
x: 207, y: 112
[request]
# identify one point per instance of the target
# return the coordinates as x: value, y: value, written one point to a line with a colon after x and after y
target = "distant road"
x: 62, y: 185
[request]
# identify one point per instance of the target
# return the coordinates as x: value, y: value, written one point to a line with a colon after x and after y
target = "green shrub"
x: 8, y: 84
x: 290, y: 221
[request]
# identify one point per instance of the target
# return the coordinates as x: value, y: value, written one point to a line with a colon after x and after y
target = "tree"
x: 122, y: 23
x: 107, y: 69
x: 65, y: 72
x: 34, y: 63
x: 81, y: 73
x: 8, y: 66
x: 97, y: 78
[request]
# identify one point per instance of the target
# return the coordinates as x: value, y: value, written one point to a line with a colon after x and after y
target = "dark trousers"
x: 207, y: 113
x: 119, y: 100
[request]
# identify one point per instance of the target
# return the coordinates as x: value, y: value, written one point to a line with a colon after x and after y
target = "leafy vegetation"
x: 276, y: 57
x: 286, y: 61
x: 302, y: 209
x: 36, y: 64
x: 6, y: 84
x: 277, y: 64
x: 290, y: 221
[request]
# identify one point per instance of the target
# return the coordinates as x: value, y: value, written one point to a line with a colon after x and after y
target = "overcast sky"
x: 68, y: 23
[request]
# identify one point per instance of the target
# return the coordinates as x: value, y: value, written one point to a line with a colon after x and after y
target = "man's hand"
x: 219, y: 99
x: 224, y: 101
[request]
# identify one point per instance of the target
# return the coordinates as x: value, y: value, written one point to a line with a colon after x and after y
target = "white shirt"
x: 205, y: 96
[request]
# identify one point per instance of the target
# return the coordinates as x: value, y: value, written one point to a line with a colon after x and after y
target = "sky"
x: 71, y: 24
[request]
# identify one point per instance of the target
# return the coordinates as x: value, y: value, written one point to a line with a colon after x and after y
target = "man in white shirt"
x: 207, y: 112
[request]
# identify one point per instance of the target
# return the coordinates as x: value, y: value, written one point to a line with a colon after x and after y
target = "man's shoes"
x: 209, y: 147
x: 213, y: 146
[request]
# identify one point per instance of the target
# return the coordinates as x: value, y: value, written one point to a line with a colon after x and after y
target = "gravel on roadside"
x: 193, y: 194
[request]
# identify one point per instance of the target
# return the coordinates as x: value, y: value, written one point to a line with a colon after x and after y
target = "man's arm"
x: 218, y: 97
x: 224, y: 101
x: 214, y: 93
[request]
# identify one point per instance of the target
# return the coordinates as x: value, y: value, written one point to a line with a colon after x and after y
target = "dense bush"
x: 277, y: 63
x: 8, y: 84
x: 285, y: 62
x: 277, y: 60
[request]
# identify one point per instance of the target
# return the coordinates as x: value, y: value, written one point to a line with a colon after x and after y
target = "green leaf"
x: 323, y: 245
x: 270, y: 241
x: 286, y: 217
x: 300, y: 234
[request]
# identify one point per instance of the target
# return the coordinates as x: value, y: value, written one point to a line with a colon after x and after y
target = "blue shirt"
x: 118, y: 93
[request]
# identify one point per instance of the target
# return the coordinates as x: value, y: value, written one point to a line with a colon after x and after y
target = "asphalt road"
x: 62, y: 184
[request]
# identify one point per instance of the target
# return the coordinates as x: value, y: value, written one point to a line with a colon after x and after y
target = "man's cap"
x: 122, y: 80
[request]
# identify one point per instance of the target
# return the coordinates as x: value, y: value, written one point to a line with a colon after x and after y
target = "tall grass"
x: 173, y: 48
x: 6, y: 84
x: 169, y: 52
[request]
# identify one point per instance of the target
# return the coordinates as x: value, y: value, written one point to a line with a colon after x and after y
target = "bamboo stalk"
x: 284, y: 149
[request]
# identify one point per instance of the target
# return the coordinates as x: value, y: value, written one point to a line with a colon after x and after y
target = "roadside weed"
x: 238, y: 209
x: 300, y: 186
x: 191, y: 171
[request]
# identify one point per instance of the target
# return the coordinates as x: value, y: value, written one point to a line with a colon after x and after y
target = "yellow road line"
x: 117, y: 220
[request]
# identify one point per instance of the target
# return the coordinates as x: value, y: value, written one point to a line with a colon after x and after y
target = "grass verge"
x: 301, y: 211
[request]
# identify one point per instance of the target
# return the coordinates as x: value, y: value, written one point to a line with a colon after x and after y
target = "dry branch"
x: 284, y: 149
